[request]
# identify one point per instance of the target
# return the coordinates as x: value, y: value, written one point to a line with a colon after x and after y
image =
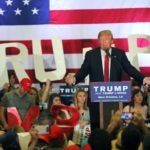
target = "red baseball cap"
x: 87, y: 147
x: 72, y: 147
x: 56, y: 132
x: 26, y: 84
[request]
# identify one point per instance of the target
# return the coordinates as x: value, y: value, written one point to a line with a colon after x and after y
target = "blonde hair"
x: 105, y: 32
x: 75, y: 101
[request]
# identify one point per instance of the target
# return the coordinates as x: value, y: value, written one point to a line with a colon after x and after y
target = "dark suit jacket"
x: 92, y: 65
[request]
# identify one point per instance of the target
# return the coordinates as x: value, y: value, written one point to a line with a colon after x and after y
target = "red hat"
x: 86, y: 147
x: 44, y: 137
x: 72, y: 147
x: 55, y: 133
x: 72, y: 121
x: 26, y: 84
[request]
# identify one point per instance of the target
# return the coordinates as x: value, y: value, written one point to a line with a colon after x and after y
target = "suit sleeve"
x: 84, y: 70
x: 131, y: 70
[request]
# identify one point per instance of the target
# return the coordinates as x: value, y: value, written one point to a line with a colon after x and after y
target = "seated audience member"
x: 137, y: 103
x: 80, y: 103
x: 12, y: 80
x: 18, y: 98
x: 99, y: 139
x: 55, y: 99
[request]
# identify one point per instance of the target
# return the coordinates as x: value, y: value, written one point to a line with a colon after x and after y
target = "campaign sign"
x: 67, y: 92
x: 110, y: 91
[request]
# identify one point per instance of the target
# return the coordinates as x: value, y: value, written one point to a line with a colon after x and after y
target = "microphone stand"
x: 118, y: 62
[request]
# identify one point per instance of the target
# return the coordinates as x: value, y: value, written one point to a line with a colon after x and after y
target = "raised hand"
x: 70, y: 79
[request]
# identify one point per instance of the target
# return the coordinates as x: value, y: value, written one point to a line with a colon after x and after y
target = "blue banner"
x: 110, y: 91
x: 67, y: 92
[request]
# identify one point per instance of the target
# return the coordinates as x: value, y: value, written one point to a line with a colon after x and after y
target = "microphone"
x: 107, y: 52
x: 113, y: 57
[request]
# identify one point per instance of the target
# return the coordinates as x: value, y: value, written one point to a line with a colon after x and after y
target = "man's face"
x: 22, y: 91
x: 105, y: 41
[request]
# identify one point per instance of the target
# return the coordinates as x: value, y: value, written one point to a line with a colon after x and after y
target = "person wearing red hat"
x: 18, y: 98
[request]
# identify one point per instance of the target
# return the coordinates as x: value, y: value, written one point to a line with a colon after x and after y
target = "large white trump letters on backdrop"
x: 17, y: 59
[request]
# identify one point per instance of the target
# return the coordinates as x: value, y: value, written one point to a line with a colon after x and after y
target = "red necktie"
x: 106, y: 68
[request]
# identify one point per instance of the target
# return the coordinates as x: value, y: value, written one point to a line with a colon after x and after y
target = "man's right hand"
x: 70, y: 79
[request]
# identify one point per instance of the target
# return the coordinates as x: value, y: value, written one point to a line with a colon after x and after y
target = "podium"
x: 110, y: 97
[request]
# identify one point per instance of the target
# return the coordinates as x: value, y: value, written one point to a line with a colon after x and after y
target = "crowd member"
x: 46, y: 118
x: 148, y: 100
x: 12, y: 80
x: 34, y: 92
x: 137, y: 103
x: 131, y: 138
x: 115, y: 125
x: 4, y: 89
x: 146, y: 142
x: 105, y: 63
x: 135, y: 132
x: 9, y: 140
x: 55, y: 99
x: 55, y: 140
x: 98, y: 139
x: 8, y: 86
x: 18, y: 141
x: 80, y: 103
x: 18, y: 98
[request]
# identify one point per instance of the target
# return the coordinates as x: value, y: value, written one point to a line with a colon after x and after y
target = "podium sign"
x: 110, y: 91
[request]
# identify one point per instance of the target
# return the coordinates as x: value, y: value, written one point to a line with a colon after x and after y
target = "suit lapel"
x: 99, y: 64
x: 115, y: 66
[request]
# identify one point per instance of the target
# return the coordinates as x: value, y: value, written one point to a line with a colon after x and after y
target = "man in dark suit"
x: 94, y: 66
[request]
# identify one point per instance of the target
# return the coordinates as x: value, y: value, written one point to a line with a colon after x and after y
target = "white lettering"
x: 95, y: 87
x: 134, y: 49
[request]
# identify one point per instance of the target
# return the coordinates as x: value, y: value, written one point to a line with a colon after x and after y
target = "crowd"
x: 37, y: 119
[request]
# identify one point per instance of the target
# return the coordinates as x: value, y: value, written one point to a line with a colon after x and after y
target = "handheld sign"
x: 67, y: 92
